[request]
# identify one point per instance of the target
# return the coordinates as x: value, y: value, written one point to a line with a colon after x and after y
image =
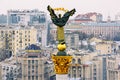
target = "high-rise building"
x: 35, y: 18
x: 26, y: 17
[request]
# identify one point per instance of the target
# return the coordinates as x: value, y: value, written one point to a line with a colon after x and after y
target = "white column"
x: 61, y: 76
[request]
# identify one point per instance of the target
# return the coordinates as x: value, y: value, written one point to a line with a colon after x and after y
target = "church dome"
x: 32, y: 47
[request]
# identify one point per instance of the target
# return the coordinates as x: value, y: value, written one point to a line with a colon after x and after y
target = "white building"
x: 9, y: 69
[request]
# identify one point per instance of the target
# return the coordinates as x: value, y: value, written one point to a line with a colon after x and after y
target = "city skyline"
x: 105, y: 7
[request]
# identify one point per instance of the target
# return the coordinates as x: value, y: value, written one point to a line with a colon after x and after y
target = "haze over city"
x: 106, y: 7
x: 36, y: 44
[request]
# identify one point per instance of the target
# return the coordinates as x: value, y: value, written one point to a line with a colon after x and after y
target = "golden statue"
x: 60, y: 22
x: 61, y: 60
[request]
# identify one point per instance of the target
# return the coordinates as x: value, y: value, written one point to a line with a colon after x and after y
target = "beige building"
x: 91, y: 66
x: 15, y: 39
x: 81, y: 67
x: 34, y: 65
x: 104, y: 47
x: 99, y: 29
x: 0, y: 72
x: 113, y: 67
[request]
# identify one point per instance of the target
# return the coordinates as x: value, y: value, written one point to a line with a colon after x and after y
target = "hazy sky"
x: 106, y: 7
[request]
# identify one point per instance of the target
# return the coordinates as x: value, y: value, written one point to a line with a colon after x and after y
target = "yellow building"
x: 96, y: 40
x: 104, y: 47
x: 15, y: 39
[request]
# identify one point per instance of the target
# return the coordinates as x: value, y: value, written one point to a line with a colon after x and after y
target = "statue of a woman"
x: 60, y: 21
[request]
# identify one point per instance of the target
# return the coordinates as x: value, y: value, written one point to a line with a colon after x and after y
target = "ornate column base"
x: 62, y: 64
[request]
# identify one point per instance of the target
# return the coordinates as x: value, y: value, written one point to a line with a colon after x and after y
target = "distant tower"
x: 108, y: 18
x: 117, y: 17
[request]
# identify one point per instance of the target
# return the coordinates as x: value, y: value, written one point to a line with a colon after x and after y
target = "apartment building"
x: 93, y: 66
x: 18, y: 38
x: 81, y: 66
x: 113, y: 67
x: 10, y: 69
x: 29, y: 18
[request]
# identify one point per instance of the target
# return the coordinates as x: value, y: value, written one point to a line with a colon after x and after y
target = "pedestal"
x: 61, y: 76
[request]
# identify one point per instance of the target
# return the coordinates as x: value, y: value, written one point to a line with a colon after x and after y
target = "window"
x: 29, y: 61
x: 32, y: 77
x: 32, y: 66
x: 32, y: 61
x: 36, y: 61
x: 73, y: 61
x: 28, y: 77
x: 79, y: 61
x: 36, y: 77
x: 95, y: 78
x: 33, y: 71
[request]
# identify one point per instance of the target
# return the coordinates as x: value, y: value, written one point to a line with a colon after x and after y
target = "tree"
x: 82, y: 36
x: 90, y: 47
x: 90, y: 36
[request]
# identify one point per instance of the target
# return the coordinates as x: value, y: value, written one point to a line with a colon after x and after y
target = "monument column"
x: 61, y: 60
x: 61, y: 76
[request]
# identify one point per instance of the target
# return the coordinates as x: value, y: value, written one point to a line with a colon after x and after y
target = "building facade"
x: 94, y: 66
x: 15, y: 39
x: 104, y: 30
x: 10, y: 69
x: 35, y: 18
x: 88, y: 17
x: 35, y: 66
x: 26, y: 17
x: 3, y: 19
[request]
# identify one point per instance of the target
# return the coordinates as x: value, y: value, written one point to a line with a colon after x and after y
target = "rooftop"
x: 32, y: 47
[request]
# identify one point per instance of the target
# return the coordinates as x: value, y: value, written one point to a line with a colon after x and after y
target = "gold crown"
x: 60, y: 9
x: 62, y: 64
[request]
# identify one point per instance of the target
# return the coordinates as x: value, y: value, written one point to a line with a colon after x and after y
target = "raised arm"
x: 52, y: 13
